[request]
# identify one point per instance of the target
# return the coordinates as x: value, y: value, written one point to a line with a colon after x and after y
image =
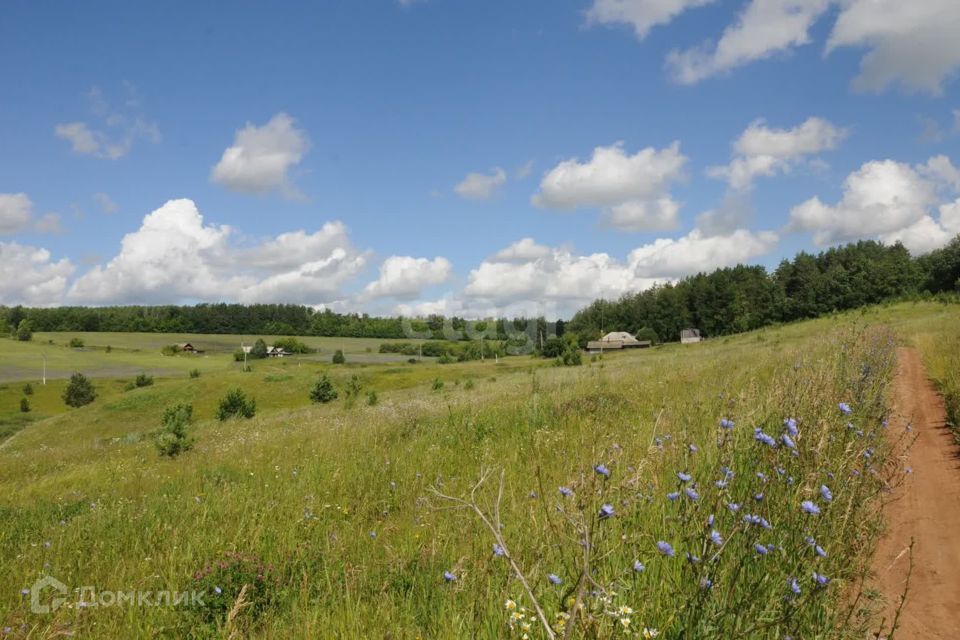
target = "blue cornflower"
x: 762, y: 476
x: 726, y: 423
x: 810, y: 507
x: 820, y: 551
x: 760, y: 549
x: 691, y: 493
x: 684, y: 477
x: 606, y: 511
x: 794, y: 586
x: 720, y: 484
x: 665, y: 549
x: 673, y: 495
x: 498, y: 551
x: 760, y: 436
x: 845, y: 408
x: 710, y: 520
x: 868, y: 453
x: 820, y: 579
x: 602, y: 470
x: 706, y: 583
x: 791, y: 426
x: 554, y: 579
x: 727, y: 472
x: 825, y: 493
x: 217, y: 590
x: 733, y: 506
x: 638, y: 566
x: 716, y: 538
x: 693, y: 448
x: 565, y: 491
x: 758, y: 497
x: 692, y: 559
x: 751, y: 519
x: 787, y: 441
x: 765, y: 524
x: 448, y: 576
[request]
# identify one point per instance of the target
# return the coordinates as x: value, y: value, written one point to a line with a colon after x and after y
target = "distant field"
x: 337, y: 507
x: 133, y: 353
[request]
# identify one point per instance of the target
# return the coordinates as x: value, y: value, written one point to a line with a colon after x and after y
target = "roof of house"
x: 619, y: 336
x: 690, y: 333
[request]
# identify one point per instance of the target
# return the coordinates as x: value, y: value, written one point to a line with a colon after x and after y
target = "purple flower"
x: 693, y: 448
x: 554, y: 579
x: 810, y: 507
x: 820, y: 551
x: 638, y: 566
x: 788, y: 442
x: 733, y: 506
x: 692, y: 559
x: 716, y: 538
x: 825, y: 493
x: 24, y: 592
x: 217, y: 590
x: 665, y: 549
x: 706, y: 583
x: 684, y: 477
x: 448, y: 576
x: 762, y: 476
x: 760, y: 436
x: 845, y: 408
x: 726, y: 423
x: 691, y: 493
x: 673, y: 495
x: 760, y: 549
x: 820, y: 579
x: 758, y: 497
x: 791, y: 426
x: 606, y: 511
x: 710, y: 520
x: 720, y: 484
x: 498, y: 551
x: 794, y: 586
x: 602, y: 470
x: 564, y: 491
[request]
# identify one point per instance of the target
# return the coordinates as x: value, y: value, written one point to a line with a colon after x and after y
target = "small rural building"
x: 186, y: 347
x: 617, y: 340
x: 689, y: 336
x: 276, y: 352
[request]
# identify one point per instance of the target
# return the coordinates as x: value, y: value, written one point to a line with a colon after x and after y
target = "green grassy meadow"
x: 338, y: 518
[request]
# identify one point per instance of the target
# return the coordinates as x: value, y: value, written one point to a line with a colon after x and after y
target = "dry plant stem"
x: 494, y: 528
x: 903, y: 598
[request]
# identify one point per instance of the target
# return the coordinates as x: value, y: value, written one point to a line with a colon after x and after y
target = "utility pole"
x: 481, y: 349
x: 44, y: 356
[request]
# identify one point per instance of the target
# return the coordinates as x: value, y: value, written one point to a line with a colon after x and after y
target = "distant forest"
x: 725, y: 301
x: 743, y: 298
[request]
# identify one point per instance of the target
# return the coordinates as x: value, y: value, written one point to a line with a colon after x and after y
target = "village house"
x: 617, y: 340
x: 689, y: 336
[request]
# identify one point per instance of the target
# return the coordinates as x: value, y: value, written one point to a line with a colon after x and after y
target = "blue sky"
x: 461, y: 156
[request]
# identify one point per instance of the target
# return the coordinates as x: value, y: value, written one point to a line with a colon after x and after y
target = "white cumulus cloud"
x: 886, y: 200
x: 115, y: 131
x: 763, y: 29
x: 261, y: 158
x: 764, y: 151
x: 405, y: 277
x: 632, y: 191
x: 642, y: 15
x: 481, y: 186
x: 29, y: 276
x: 910, y: 43
x: 16, y: 211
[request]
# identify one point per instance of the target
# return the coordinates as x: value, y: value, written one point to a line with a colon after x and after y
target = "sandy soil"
x: 925, y: 509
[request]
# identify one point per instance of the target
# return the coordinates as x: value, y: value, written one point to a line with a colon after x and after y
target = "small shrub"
x: 412, y: 361
x: 323, y: 391
x: 24, y: 405
x: 259, y: 350
x: 445, y: 359
x: 172, y: 439
x: 222, y: 582
x: 76, y: 343
x: 291, y: 345
x: 143, y: 380
x: 194, y: 373
x: 236, y: 404
x: 239, y: 355
x: 24, y: 331
x: 170, y: 350
x: 437, y: 384
x: 79, y: 391
x: 338, y: 357
x: 372, y: 398
x: 468, y: 385
x: 28, y: 389
x: 109, y: 349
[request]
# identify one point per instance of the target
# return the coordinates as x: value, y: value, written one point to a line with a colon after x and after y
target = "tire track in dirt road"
x: 925, y: 509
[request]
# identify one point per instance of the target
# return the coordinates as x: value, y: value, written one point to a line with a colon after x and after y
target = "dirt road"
x: 926, y: 509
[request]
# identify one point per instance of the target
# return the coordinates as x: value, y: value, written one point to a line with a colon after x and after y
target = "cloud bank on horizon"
x: 287, y: 204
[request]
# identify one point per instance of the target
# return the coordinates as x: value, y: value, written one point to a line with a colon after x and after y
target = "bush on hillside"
x: 172, y: 439
x: 323, y: 391
x: 338, y: 357
x: 24, y: 405
x: 24, y: 331
x: 236, y: 404
x: 143, y: 380
x: 28, y: 389
x: 76, y: 343
x: 79, y: 391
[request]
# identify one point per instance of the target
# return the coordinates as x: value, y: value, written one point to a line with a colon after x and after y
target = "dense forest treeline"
x: 725, y: 301
x: 743, y: 298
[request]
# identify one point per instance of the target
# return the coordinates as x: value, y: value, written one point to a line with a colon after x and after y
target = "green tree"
x: 172, y: 439
x: 25, y: 331
x: 338, y: 357
x: 323, y: 391
x: 79, y: 391
x: 236, y: 404
x: 24, y: 405
x: 259, y: 350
